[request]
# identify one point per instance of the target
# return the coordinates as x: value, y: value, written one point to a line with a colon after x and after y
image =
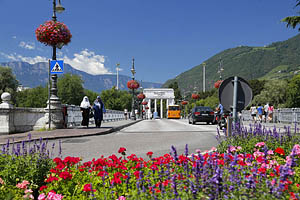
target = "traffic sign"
x: 244, y: 94
x: 56, y: 66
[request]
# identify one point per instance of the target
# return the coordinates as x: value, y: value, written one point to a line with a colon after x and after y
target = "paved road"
x: 149, y: 135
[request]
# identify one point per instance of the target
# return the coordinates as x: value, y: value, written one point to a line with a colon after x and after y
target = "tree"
x: 33, y: 98
x: 294, y: 20
x: 257, y: 86
x: 8, y: 82
x: 177, y: 93
x: 293, y: 92
x: 70, y: 89
x: 116, y: 99
x: 274, y: 92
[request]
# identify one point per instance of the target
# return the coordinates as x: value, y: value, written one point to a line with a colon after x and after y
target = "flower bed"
x: 265, y: 167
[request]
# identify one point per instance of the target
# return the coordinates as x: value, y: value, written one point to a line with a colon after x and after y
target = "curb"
x: 49, y: 137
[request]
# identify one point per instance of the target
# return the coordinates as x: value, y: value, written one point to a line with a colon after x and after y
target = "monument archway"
x: 158, y: 94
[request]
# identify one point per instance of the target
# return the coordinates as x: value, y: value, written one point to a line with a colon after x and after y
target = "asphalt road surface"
x: 148, y: 135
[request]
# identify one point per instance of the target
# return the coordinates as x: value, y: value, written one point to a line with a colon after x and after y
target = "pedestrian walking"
x: 99, y: 109
x: 266, y: 110
x: 253, y: 111
x: 85, y: 108
x: 260, y: 112
x: 270, y: 113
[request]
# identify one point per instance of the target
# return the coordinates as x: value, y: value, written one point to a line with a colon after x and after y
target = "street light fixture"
x: 133, y: 117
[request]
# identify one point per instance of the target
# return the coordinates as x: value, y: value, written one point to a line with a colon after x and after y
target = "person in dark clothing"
x: 85, y: 110
x: 99, y: 109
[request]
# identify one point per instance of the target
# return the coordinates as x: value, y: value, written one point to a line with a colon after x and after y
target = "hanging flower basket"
x: 133, y: 84
x: 146, y: 107
x: 53, y: 34
x: 184, y: 102
x: 195, y: 96
x: 218, y: 83
x: 141, y: 96
x: 144, y: 103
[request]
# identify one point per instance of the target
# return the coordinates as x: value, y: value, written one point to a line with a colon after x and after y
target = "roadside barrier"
x: 281, y: 115
x: 73, y: 116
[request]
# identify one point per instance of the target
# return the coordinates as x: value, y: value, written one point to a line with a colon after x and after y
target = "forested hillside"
x: 278, y: 60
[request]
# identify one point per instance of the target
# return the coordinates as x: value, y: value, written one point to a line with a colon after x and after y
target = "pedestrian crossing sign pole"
x: 56, y: 66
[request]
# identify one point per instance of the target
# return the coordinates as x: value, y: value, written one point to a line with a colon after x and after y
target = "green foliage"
x: 33, y: 98
x: 293, y: 92
x: 116, y: 99
x: 274, y: 92
x: 257, y: 86
x: 70, y: 89
x: 177, y: 93
x: 8, y: 82
x: 294, y: 20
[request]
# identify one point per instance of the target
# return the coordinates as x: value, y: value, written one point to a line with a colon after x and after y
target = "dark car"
x: 201, y: 114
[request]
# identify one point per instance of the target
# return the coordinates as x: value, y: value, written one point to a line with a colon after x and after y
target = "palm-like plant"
x: 292, y: 21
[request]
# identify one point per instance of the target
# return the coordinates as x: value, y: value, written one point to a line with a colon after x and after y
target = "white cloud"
x: 14, y: 37
x: 88, y: 62
x: 30, y: 60
x: 28, y: 45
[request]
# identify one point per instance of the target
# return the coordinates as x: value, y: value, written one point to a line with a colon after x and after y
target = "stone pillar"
x: 155, y: 105
x: 161, y: 109
x: 149, y: 110
x: 56, y: 114
x: 167, y: 104
x: 6, y: 115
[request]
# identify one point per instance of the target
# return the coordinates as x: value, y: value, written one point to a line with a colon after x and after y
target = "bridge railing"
x: 281, y: 115
x: 73, y: 117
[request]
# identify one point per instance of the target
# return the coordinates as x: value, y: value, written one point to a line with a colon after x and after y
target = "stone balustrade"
x: 18, y: 120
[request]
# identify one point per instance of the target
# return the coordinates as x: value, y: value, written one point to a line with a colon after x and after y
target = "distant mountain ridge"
x: 33, y: 75
x: 279, y: 60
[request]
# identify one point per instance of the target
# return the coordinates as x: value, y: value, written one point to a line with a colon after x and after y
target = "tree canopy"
x: 292, y: 21
x: 116, y: 99
x: 8, y: 82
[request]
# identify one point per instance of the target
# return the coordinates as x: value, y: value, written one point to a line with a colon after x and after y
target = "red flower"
x: 137, y: 174
x: 43, y: 187
x: 122, y: 150
x: 88, y: 188
x: 280, y: 151
x: 65, y: 175
x: 150, y: 153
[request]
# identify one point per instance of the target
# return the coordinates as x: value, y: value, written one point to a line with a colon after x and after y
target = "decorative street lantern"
x: 218, y: 83
x: 141, y: 96
x: 195, y: 96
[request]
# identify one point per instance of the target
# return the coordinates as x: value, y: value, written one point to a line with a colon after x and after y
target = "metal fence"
x: 282, y: 115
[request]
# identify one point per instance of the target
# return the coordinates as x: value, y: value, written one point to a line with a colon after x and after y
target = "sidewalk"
x: 106, y: 128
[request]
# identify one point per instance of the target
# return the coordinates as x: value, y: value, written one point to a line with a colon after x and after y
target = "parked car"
x: 201, y: 114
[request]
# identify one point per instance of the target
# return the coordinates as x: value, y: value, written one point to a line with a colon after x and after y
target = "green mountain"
x: 279, y: 60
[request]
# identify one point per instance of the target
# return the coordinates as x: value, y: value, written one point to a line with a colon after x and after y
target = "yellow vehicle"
x: 174, y: 112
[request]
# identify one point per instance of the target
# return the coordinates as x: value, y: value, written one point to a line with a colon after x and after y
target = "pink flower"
x: 239, y: 148
x: 198, y: 151
x: 270, y: 152
x: 1, y: 181
x: 42, y: 196
x: 260, y: 144
x: 28, y: 191
x: 54, y: 196
x: 121, y: 198
x: 26, y: 196
x: 22, y: 185
x: 213, y: 149
x: 296, y: 149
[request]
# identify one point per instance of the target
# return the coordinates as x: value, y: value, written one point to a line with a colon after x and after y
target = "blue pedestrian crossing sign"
x: 56, y: 66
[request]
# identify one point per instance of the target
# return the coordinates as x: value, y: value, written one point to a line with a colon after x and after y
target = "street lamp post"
x: 204, y: 64
x: 133, y: 117
x: 117, y: 69
x: 54, y: 102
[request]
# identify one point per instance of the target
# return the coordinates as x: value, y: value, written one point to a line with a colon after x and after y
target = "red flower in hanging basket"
x: 195, y: 96
x: 184, y: 102
x: 143, y: 110
x: 133, y: 84
x: 218, y: 83
x: 53, y: 33
x: 141, y: 96
x: 146, y: 107
x: 144, y: 103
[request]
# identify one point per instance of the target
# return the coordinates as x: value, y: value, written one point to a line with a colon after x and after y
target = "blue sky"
x: 166, y: 37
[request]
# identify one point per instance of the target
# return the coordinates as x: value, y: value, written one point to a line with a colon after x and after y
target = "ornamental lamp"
x: 59, y: 8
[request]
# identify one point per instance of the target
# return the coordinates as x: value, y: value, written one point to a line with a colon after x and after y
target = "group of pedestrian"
x: 88, y: 111
x: 262, y: 113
